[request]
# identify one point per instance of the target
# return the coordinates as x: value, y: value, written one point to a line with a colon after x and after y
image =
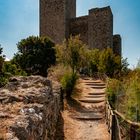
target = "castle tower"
x: 54, y: 18
x: 117, y: 43
x: 100, y: 28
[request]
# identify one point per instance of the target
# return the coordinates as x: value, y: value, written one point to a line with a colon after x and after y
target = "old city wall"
x: 100, y: 25
x: 96, y: 29
x: 79, y: 26
x: 58, y: 21
x: 70, y: 13
x: 52, y: 19
x: 30, y: 109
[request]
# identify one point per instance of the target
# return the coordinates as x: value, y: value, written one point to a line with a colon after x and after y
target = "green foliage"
x: 105, y: 61
x: 7, y: 69
x: 133, y: 96
x: 65, y: 76
x: 71, y: 53
x: 114, y: 88
x: 11, y: 69
x: 3, y: 80
x: 1, y: 60
x: 35, y: 55
x: 56, y: 72
x: 124, y: 68
x: 79, y: 57
x: 94, y: 60
x: 109, y: 63
x: 68, y: 82
x: 125, y: 95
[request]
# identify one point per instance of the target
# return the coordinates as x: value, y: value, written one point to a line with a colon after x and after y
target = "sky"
x: 20, y: 19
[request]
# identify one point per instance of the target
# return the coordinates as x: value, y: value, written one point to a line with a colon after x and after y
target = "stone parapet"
x: 29, y: 109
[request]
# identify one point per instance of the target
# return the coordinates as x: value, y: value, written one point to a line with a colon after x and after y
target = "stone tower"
x: 54, y: 18
x: 100, y: 28
x: 58, y: 21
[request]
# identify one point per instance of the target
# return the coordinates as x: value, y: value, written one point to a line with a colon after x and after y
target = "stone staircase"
x: 95, y: 98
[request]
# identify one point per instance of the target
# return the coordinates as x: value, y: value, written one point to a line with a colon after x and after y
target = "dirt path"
x: 84, y: 115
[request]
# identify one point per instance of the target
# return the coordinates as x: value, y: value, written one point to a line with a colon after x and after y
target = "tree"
x: 35, y: 55
x: 94, y: 60
x: 10, y: 69
x: 1, y: 59
x: 71, y: 53
x: 109, y: 63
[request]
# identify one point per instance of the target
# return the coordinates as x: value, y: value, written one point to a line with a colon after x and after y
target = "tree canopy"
x: 35, y: 55
x: 71, y: 53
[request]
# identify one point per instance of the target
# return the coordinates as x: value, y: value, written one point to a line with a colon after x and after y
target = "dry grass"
x: 56, y: 72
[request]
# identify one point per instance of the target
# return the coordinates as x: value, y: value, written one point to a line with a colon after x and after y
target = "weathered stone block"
x: 31, y: 111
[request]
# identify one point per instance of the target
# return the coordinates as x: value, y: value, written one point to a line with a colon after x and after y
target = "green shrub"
x: 125, y: 95
x: 133, y: 96
x: 114, y: 88
x: 35, y: 55
x: 9, y: 70
x: 1, y: 60
x: 12, y: 70
x: 3, y: 81
x: 68, y: 82
x: 72, y: 53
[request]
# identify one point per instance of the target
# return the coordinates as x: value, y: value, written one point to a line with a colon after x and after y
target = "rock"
x: 30, y: 108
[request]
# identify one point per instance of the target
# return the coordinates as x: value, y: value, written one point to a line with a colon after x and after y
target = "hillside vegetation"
x: 64, y: 63
x: 124, y: 94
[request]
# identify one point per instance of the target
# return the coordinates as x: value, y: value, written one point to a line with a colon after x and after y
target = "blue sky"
x: 20, y: 19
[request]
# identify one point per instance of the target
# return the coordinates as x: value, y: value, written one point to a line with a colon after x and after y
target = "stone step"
x: 86, y: 78
x: 89, y: 116
x: 96, y: 84
x: 92, y: 100
x: 95, y: 96
x: 97, y: 93
x: 98, y: 87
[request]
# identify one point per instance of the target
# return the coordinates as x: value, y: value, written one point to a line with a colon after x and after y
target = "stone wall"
x: 29, y: 109
x: 70, y: 10
x: 79, y: 26
x: 100, y: 26
x: 117, y: 45
x: 96, y: 29
x: 58, y: 20
x: 54, y: 18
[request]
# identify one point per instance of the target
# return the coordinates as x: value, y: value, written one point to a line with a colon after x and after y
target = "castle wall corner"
x: 100, y: 27
x: 79, y: 26
x: 117, y: 45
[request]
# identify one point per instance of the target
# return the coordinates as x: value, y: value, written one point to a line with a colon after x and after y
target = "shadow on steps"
x: 92, y: 82
x: 98, y: 87
x: 75, y: 104
x: 97, y: 93
x: 60, y: 128
x: 95, y: 84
